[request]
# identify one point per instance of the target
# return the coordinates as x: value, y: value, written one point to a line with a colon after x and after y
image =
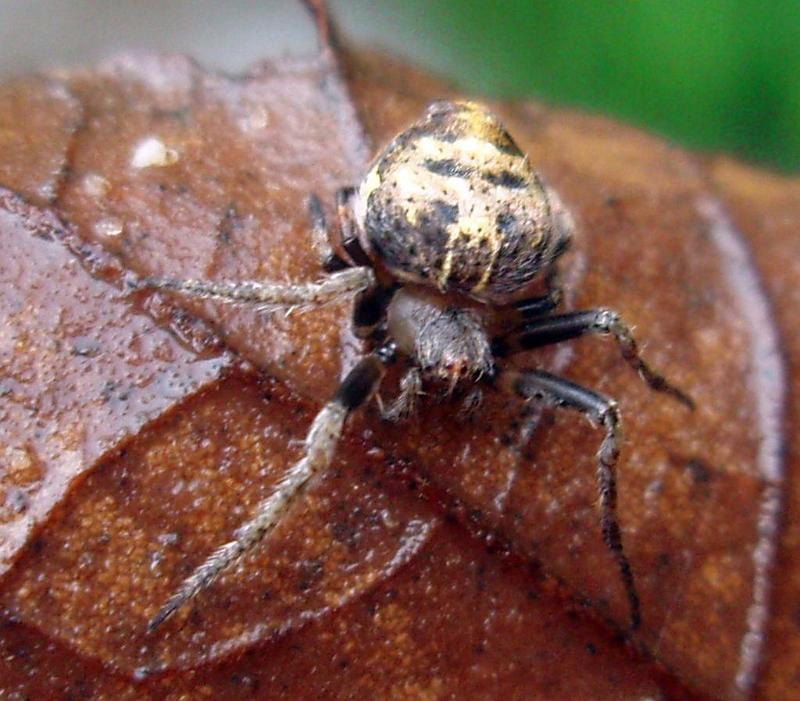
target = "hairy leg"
x: 268, y: 295
x: 405, y: 403
x: 602, y: 411
x: 319, y: 448
x: 555, y: 329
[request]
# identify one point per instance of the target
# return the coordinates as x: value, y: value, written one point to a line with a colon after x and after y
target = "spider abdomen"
x: 453, y: 203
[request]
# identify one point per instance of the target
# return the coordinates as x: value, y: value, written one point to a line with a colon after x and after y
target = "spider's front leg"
x: 319, y: 448
x: 548, y: 330
x: 602, y: 411
x: 267, y: 294
x: 347, y: 276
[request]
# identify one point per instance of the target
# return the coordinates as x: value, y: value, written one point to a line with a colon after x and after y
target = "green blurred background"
x: 711, y: 74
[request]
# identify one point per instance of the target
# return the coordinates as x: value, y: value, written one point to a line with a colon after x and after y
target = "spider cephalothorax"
x: 442, y: 243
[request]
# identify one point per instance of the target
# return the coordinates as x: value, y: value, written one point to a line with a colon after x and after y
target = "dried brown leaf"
x: 369, y: 589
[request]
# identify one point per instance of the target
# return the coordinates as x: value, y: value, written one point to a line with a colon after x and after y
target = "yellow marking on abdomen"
x: 475, y: 230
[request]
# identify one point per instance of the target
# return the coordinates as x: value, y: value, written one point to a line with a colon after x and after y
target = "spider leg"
x: 404, y: 404
x: 555, y: 329
x: 338, y: 248
x: 331, y: 262
x: 533, y: 307
x: 268, y: 294
x: 369, y: 310
x: 524, y: 310
x: 348, y: 229
x: 602, y: 412
x: 320, y: 446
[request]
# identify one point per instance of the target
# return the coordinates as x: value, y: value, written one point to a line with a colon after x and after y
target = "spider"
x: 450, y: 230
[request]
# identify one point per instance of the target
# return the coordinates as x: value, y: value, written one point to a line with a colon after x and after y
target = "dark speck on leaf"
x: 699, y: 471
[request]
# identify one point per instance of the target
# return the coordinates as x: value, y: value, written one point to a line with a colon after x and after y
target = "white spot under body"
x: 153, y: 152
